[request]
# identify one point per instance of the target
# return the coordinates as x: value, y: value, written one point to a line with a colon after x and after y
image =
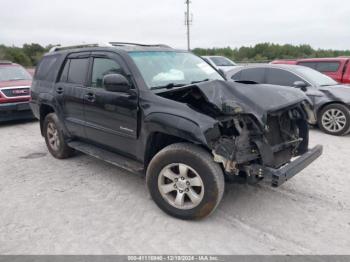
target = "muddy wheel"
x: 185, y: 182
x: 334, y: 119
x: 54, y: 138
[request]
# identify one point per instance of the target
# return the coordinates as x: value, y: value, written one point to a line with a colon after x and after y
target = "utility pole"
x: 188, y: 23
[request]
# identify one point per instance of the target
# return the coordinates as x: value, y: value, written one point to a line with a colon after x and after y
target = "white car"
x: 220, y: 62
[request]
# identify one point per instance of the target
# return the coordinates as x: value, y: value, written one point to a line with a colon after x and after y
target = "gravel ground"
x: 85, y: 206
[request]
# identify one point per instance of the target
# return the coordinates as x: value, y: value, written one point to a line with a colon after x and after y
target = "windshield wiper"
x: 172, y: 85
x: 200, y: 81
x: 168, y: 86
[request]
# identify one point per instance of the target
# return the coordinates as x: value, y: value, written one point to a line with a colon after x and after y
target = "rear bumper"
x: 14, y: 111
x: 279, y: 176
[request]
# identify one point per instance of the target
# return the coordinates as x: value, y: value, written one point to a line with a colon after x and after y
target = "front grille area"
x: 281, y: 130
x: 16, y: 92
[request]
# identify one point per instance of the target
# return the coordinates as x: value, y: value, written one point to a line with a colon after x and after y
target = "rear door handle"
x: 59, y: 90
x: 90, y: 97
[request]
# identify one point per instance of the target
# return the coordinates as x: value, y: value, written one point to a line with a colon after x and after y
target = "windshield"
x: 316, y: 77
x: 169, y: 69
x: 13, y: 73
x: 222, y: 61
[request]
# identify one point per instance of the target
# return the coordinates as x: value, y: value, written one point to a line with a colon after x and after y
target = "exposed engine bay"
x: 249, y: 134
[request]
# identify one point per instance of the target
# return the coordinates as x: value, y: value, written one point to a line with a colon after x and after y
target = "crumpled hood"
x: 337, y: 92
x: 256, y: 99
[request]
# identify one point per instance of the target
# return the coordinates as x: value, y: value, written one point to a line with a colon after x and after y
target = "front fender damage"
x: 256, y: 131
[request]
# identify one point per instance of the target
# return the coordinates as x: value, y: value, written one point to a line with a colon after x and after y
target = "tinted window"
x: 281, y: 77
x: 102, y: 67
x: 221, y: 61
x: 328, y: 66
x: 78, y: 70
x: 308, y: 64
x: 253, y: 74
x: 46, y: 69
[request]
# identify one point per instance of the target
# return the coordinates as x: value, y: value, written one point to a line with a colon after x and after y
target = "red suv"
x: 336, y: 68
x: 15, y: 84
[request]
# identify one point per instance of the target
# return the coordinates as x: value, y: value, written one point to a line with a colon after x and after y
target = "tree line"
x: 29, y: 54
x: 267, y: 52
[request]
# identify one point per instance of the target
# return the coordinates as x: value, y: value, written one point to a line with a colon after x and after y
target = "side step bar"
x: 109, y: 157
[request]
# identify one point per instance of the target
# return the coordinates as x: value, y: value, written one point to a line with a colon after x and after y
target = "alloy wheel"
x: 181, y: 186
x: 334, y: 120
x: 53, y: 137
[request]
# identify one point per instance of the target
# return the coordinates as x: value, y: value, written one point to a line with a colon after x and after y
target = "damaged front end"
x: 260, y: 128
x: 253, y: 152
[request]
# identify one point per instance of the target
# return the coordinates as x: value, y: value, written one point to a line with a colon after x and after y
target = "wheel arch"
x: 320, y: 108
x: 162, y: 130
x: 44, y: 110
x: 156, y: 141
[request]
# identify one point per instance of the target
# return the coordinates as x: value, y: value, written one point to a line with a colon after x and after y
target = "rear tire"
x: 185, y: 182
x: 54, y: 138
x: 334, y: 119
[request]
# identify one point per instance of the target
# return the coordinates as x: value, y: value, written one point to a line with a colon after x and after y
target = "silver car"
x: 220, y: 62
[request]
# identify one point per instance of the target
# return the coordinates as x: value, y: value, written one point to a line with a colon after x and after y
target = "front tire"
x: 54, y: 138
x: 334, y: 119
x: 185, y: 182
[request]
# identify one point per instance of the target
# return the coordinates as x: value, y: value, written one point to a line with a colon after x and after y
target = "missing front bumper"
x: 279, y: 176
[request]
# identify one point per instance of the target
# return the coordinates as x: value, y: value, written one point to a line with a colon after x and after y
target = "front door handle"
x: 90, y: 97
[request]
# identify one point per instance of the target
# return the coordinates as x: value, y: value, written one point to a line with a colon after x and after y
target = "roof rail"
x: 59, y: 47
x: 137, y: 44
x: 6, y: 62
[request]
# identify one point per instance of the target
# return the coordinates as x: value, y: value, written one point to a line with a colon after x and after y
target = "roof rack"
x: 59, y: 47
x: 110, y: 44
x: 5, y: 62
x: 137, y: 44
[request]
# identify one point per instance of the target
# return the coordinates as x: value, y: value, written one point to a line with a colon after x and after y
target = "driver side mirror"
x: 116, y: 83
x: 301, y: 85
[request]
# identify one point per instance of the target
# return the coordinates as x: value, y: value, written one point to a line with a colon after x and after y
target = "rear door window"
x: 77, y: 71
x: 281, y: 77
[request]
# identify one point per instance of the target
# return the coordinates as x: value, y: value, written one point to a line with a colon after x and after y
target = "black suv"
x: 169, y: 114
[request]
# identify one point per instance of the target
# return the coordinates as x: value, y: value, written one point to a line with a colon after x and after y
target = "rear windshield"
x: 13, y: 73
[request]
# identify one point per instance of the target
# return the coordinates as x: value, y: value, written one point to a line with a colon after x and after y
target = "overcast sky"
x: 320, y: 23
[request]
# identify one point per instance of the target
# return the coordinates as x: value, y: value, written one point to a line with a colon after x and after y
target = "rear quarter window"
x: 47, y: 68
